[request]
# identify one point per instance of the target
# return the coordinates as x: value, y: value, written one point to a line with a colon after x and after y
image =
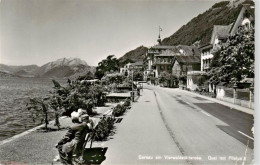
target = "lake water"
x: 14, y: 92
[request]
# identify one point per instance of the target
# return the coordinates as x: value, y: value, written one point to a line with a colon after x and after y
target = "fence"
x: 242, y: 97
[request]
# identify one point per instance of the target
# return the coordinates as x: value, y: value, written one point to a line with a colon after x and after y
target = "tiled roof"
x: 188, y: 59
x: 222, y: 31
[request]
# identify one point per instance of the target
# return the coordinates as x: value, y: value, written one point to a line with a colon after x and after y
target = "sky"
x: 40, y: 31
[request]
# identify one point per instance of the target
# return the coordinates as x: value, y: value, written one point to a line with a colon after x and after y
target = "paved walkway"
x: 34, y: 146
x: 141, y: 136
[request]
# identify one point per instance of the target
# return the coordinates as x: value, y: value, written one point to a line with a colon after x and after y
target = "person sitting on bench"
x: 72, y: 144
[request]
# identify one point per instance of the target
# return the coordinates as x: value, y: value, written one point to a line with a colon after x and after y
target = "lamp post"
x: 235, y: 92
x: 251, y: 88
x: 133, y: 97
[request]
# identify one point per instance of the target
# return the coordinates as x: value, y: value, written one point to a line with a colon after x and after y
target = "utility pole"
x: 133, y: 97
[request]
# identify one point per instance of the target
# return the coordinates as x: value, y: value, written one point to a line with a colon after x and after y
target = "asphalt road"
x: 169, y: 126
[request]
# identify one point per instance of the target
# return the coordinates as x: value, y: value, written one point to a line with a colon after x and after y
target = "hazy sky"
x: 40, y: 31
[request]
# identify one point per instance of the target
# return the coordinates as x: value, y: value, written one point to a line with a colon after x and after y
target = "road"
x: 171, y: 126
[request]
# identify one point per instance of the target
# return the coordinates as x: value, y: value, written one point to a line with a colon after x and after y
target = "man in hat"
x: 72, y: 144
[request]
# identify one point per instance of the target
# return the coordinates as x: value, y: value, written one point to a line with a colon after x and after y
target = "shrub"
x: 119, y: 110
x: 79, y: 94
x: 127, y: 102
x: 103, y: 129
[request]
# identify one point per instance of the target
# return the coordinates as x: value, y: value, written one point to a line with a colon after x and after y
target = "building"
x: 246, y: 18
x: 159, y: 58
x: 220, y: 33
x: 195, y: 80
x: 127, y: 69
x: 183, y: 64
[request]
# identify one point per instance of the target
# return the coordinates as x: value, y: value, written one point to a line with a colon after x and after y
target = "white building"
x: 126, y: 70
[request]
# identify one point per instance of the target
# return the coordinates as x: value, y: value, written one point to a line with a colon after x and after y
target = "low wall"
x: 227, y: 95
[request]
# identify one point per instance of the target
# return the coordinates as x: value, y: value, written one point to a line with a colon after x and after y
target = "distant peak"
x: 69, y: 61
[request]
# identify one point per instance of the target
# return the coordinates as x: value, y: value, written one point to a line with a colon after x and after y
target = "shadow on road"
x: 237, y: 121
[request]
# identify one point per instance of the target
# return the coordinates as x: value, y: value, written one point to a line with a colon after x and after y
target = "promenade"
x: 36, y: 146
x: 164, y: 126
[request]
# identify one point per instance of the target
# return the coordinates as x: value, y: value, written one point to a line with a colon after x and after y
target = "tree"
x: 167, y: 78
x: 163, y: 77
x: 110, y: 64
x: 88, y: 76
x: 183, y: 79
x: 235, y: 60
x: 151, y: 77
x: 39, y: 109
x: 138, y: 75
x: 56, y: 105
x: 111, y: 78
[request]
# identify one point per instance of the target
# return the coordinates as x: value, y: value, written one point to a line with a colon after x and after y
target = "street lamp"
x: 133, y: 99
x: 235, y: 85
x: 251, y: 96
x: 235, y: 92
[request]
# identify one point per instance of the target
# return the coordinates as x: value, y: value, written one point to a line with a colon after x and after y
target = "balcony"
x: 212, y: 51
x: 206, y: 66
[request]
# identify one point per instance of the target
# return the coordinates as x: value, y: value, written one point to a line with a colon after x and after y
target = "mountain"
x: 197, y: 30
x: 135, y: 55
x: 61, y: 68
x: 4, y: 75
x: 200, y: 28
x: 23, y: 73
x: 64, y: 67
x: 13, y: 69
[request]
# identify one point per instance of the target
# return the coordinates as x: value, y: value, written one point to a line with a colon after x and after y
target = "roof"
x: 205, y: 46
x: 221, y: 31
x: 177, y: 50
x: 246, y: 8
x: 169, y: 52
x: 250, y: 9
x: 137, y: 63
x: 163, y: 47
x: 190, y: 50
x: 188, y: 59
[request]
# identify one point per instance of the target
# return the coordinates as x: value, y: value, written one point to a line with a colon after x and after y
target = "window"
x: 189, y: 68
x: 184, y: 67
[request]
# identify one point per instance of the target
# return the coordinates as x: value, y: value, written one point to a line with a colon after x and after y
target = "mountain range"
x: 61, y: 68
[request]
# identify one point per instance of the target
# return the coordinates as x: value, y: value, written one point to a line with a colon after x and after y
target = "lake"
x: 14, y: 92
